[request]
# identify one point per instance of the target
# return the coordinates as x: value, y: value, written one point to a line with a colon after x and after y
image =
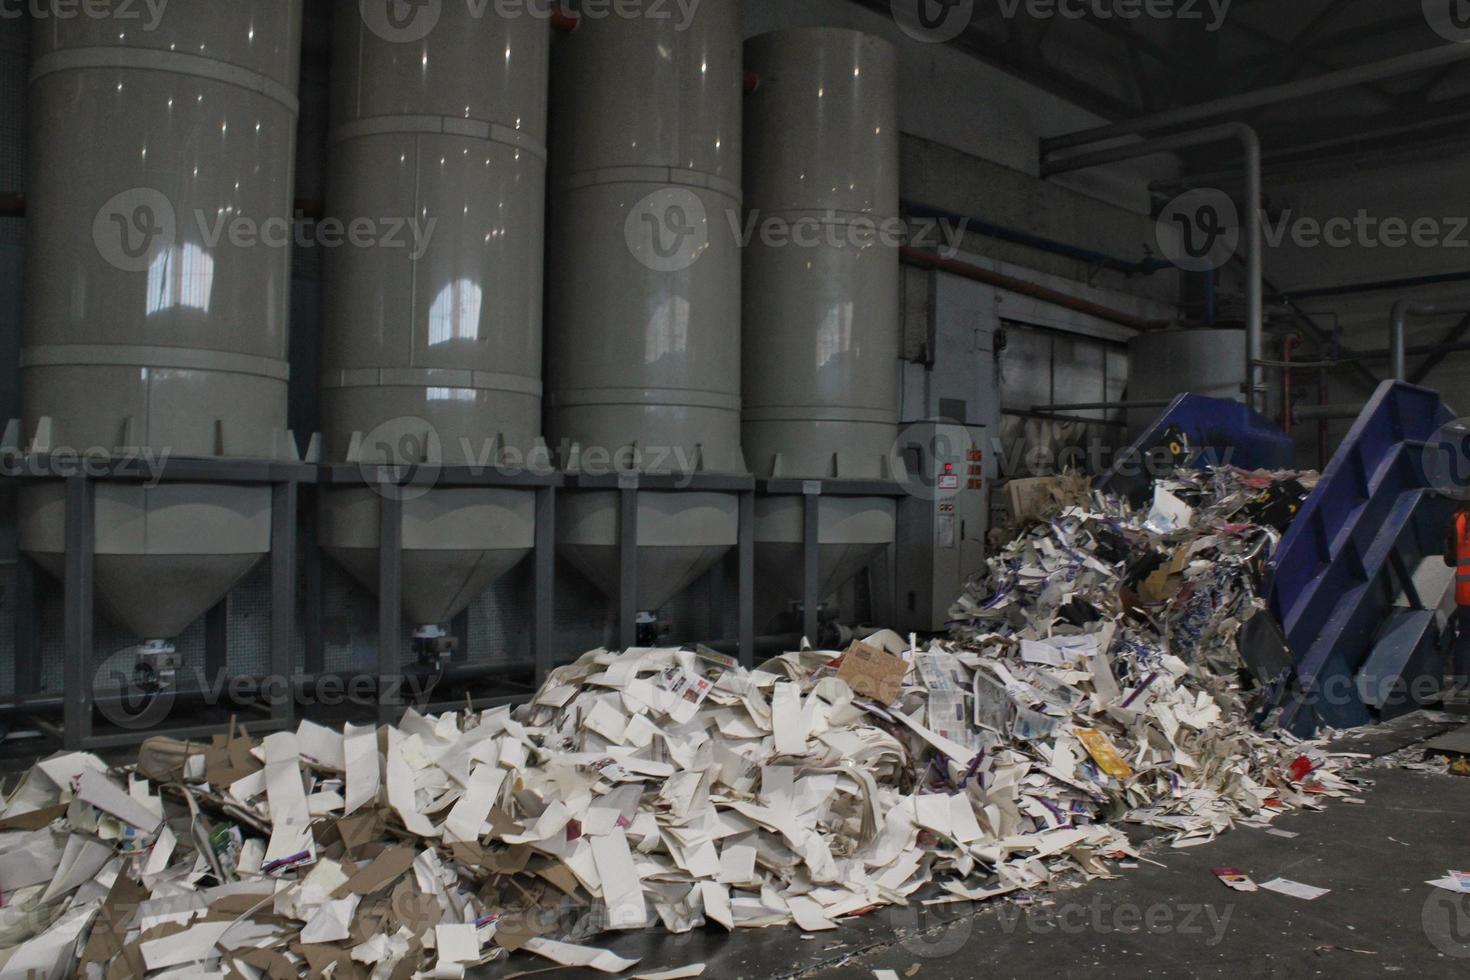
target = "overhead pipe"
x: 1139, y: 267
x: 928, y: 260
x: 1329, y: 413
x: 1378, y: 286
x: 1255, y: 263
x: 1100, y: 406
x: 1289, y: 344
x: 1306, y: 88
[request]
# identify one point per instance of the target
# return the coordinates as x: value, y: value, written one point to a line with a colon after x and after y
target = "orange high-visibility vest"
x: 1462, y: 558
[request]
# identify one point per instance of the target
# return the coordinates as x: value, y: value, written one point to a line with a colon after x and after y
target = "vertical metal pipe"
x: 1255, y: 328
x: 1288, y: 350
x: 1251, y: 232
x: 1398, y: 328
x: 81, y: 541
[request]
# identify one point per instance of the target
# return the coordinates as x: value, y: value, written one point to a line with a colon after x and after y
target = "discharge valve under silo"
x: 155, y: 666
x: 434, y: 647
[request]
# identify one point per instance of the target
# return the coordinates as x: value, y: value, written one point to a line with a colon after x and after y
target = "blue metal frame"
x: 1218, y: 433
x: 1373, y: 518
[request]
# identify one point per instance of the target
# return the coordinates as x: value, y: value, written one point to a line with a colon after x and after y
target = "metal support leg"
x: 628, y: 562
x: 316, y: 657
x: 746, y: 552
x: 811, y: 563
x: 282, y: 689
x: 27, y: 629
x: 81, y: 541
x: 543, y: 585
x: 217, y: 641
x: 390, y: 604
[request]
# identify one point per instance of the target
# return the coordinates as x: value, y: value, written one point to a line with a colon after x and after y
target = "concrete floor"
x: 1178, y: 920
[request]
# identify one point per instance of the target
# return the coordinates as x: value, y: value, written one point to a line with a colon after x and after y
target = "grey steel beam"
x: 745, y: 550
x: 281, y: 691
x: 628, y: 560
x: 811, y: 561
x: 390, y: 602
x: 79, y: 563
x: 543, y: 585
x: 1451, y: 340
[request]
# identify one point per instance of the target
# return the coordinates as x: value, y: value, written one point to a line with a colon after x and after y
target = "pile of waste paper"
x: 1089, y: 683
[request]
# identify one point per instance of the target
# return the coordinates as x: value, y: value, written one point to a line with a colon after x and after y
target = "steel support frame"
x: 390, y: 484
x: 628, y: 486
x: 811, y: 493
x: 79, y: 590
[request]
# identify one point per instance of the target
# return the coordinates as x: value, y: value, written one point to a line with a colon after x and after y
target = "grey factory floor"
x: 1380, y: 918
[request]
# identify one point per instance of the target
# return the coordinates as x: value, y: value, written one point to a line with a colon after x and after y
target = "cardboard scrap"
x: 873, y: 673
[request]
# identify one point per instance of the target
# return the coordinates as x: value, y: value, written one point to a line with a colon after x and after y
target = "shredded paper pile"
x: 1090, y: 682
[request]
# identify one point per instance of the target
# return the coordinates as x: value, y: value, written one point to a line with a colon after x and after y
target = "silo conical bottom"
x: 158, y: 597
x: 437, y: 585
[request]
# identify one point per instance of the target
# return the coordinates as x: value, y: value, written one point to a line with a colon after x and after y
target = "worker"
x: 1457, y: 556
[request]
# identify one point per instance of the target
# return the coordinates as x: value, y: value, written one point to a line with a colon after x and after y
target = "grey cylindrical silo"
x: 432, y: 350
x: 643, y: 317
x: 153, y: 324
x: 821, y: 306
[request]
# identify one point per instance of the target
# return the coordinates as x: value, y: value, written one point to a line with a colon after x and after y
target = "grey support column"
x: 282, y: 687
x: 390, y: 603
x: 543, y: 585
x: 627, y: 560
x: 81, y: 540
x: 746, y: 549
x: 811, y: 560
